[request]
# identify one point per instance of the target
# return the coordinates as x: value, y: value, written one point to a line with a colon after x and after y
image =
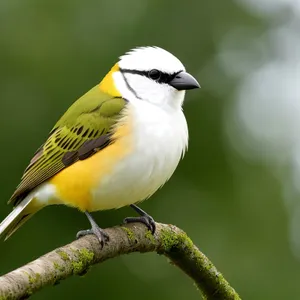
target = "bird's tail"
x: 20, y: 214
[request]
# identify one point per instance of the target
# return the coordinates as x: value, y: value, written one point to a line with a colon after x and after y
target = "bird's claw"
x: 146, y: 220
x: 82, y: 233
x: 101, y: 235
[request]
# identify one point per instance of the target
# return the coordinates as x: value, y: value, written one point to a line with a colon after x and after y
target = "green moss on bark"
x: 129, y: 233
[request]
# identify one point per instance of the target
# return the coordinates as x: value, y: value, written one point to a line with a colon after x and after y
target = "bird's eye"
x: 154, y: 74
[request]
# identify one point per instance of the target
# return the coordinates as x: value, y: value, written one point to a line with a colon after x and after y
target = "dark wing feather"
x: 82, y: 131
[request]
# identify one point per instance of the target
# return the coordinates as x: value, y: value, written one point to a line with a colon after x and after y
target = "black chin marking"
x: 164, y: 77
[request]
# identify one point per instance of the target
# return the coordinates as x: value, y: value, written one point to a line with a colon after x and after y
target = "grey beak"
x: 184, y: 81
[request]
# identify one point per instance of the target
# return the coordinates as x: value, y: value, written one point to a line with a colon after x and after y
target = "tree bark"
x: 78, y: 256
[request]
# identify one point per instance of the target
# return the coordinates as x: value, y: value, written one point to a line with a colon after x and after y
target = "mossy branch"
x: 78, y: 256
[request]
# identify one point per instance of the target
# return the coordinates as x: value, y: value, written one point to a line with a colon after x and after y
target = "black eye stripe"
x: 164, y: 77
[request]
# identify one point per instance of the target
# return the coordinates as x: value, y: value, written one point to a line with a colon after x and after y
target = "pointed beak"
x: 184, y: 81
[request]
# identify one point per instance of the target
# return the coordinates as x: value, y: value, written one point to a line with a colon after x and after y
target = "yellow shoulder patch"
x: 107, y: 85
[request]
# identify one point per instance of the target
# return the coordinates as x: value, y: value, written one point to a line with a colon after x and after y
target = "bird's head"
x: 149, y: 74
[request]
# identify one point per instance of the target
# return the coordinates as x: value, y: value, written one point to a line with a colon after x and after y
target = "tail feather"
x: 21, y: 213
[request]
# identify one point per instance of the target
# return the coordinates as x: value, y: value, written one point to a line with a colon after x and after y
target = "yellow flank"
x: 107, y: 84
x: 75, y: 183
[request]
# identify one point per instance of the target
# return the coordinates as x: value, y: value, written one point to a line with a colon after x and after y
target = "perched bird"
x: 115, y: 146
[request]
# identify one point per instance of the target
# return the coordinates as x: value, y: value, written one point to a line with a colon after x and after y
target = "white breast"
x: 160, y: 137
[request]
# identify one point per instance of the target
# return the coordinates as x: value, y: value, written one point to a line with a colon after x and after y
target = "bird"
x: 114, y: 147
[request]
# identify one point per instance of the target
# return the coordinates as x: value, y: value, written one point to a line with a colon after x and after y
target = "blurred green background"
x: 230, y: 203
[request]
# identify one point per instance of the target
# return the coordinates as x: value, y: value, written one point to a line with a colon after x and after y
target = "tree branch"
x: 81, y: 254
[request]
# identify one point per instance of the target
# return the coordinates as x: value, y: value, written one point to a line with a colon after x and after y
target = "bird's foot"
x: 82, y: 233
x: 147, y: 220
x: 101, y: 235
x: 144, y: 218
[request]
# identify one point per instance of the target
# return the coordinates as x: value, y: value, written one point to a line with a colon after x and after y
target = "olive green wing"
x: 82, y: 131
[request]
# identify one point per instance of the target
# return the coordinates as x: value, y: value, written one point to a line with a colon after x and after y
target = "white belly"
x: 159, y: 140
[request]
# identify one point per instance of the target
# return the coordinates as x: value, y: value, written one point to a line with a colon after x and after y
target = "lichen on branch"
x: 77, y: 257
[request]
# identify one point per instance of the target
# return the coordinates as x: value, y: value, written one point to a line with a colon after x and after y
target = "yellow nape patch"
x: 76, y: 183
x: 107, y: 85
